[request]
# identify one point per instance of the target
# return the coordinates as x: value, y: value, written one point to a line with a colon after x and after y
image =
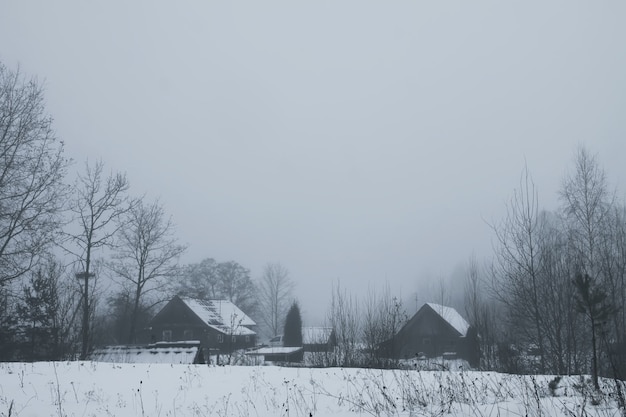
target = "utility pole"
x: 85, y: 346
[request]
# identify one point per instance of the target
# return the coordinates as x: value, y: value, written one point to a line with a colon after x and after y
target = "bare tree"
x: 116, y: 319
x: 473, y: 293
x: 199, y: 281
x: 210, y: 280
x: 613, y: 269
x: 99, y: 202
x: 383, y: 317
x: 275, y: 294
x: 516, y: 271
x: 344, y: 318
x: 586, y: 205
x: 69, y: 309
x: 596, y: 228
x: 32, y: 168
x: 147, y: 253
x: 478, y: 312
x: 236, y: 286
x: 561, y: 323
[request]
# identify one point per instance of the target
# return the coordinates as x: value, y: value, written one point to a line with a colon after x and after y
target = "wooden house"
x: 219, y: 325
x: 434, y: 331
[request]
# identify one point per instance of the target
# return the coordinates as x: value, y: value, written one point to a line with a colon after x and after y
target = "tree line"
x: 552, y: 299
x: 85, y: 263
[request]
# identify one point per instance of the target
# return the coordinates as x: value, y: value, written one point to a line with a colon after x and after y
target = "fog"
x: 356, y: 142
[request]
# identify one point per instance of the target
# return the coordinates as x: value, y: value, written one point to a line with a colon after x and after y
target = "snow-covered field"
x: 106, y: 389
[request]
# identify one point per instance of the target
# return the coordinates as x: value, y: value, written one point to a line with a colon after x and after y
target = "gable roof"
x: 221, y: 315
x: 451, y: 316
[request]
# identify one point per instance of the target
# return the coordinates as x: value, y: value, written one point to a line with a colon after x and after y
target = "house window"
x: 234, y: 339
x: 167, y: 335
x: 220, y: 338
x: 426, y: 341
x: 247, y: 339
x: 188, y: 334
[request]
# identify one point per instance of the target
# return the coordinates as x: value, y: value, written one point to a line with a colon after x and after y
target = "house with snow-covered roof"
x: 434, y: 331
x: 219, y: 325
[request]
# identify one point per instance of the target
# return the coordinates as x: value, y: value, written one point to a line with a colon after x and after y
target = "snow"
x: 222, y: 315
x: 274, y: 350
x: 162, y: 352
x: 107, y: 389
x: 451, y: 316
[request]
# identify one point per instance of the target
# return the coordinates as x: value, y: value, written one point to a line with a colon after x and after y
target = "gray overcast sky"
x: 354, y: 140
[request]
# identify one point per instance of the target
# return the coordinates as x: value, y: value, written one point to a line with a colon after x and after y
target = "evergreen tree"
x: 39, y: 312
x: 293, y: 327
x: 8, y: 327
x: 592, y: 301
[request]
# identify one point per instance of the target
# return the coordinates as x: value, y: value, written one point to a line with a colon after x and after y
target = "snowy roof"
x: 274, y: 351
x: 452, y: 317
x: 221, y: 315
x: 184, y: 353
x: 316, y: 335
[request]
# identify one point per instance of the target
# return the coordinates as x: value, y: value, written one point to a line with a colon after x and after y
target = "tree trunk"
x: 85, y: 347
x: 134, y: 313
x: 594, y: 363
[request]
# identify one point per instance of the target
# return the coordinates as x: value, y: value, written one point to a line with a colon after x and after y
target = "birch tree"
x: 586, y: 204
x: 596, y: 228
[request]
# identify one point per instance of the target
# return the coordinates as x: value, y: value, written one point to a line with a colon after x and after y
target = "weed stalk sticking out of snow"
x: 286, y: 403
x: 140, y: 394
x: 253, y: 392
x: 58, y: 391
x: 10, y: 412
